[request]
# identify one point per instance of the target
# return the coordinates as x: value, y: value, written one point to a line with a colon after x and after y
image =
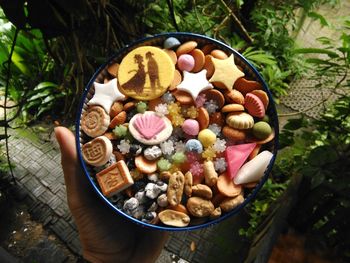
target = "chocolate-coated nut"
x: 229, y: 203
x: 202, y: 190
x: 199, y: 207
x: 175, y: 188
x: 174, y: 218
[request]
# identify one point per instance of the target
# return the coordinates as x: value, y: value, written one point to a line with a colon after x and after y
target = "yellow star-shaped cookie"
x: 226, y: 72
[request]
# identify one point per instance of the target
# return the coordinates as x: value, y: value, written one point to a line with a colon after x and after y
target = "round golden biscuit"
x: 203, y: 118
x: 176, y: 81
x: 209, y: 66
x: 113, y: 69
x: 186, y: 48
x: 232, y: 107
x: 145, y: 73
x: 215, y: 95
x: 219, y: 54
x: 199, y: 59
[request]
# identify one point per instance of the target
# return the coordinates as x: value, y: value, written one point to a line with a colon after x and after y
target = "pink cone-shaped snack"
x: 236, y: 155
x: 253, y: 170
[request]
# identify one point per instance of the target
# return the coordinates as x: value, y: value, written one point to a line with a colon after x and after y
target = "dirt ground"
x: 25, y: 238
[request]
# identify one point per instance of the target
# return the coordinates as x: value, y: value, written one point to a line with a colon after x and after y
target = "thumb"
x: 76, y: 183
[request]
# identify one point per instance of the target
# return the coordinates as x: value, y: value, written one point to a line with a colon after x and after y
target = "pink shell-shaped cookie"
x: 149, y: 125
x: 254, y: 105
x: 150, y: 128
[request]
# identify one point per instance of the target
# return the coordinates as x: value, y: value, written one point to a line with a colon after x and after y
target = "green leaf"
x: 295, y: 124
x: 330, y: 53
x: 44, y: 85
x: 316, y: 16
x: 322, y: 155
x: 18, y: 62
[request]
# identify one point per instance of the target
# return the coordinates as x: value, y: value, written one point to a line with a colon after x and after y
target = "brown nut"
x: 188, y: 183
x: 117, y: 120
x: 175, y: 188
x: 165, y: 176
x: 115, y: 109
x: 229, y: 203
x: 210, y: 175
x: 202, y: 190
x: 199, y: 207
x: 174, y: 218
x: 216, y: 213
x: 180, y: 208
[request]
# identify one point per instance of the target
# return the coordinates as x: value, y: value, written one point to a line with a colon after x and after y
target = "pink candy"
x: 190, y: 127
x: 185, y: 62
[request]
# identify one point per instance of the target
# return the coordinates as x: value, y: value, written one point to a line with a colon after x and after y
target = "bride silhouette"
x: 137, y: 82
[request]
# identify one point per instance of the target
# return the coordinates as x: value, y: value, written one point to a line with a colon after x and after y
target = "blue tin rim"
x: 272, y: 107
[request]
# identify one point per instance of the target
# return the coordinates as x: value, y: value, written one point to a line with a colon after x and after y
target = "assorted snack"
x: 175, y: 134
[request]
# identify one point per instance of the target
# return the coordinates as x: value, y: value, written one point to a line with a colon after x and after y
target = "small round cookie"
x: 144, y: 165
x: 232, y: 107
x: 176, y: 81
x: 233, y: 134
x: 240, y: 120
x: 186, y: 48
x: 234, y: 96
x: 183, y: 97
x: 219, y: 54
x: 226, y: 186
x: 203, y: 118
x: 98, y: 151
x: 215, y: 95
x: 95, y: 121
x: 199, y: 59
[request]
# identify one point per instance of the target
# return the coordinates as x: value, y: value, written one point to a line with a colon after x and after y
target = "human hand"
x: 104, y: 235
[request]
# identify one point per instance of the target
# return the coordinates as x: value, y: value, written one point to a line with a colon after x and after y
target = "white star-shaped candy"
x: 194, y: 83
x: 106, y: 94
